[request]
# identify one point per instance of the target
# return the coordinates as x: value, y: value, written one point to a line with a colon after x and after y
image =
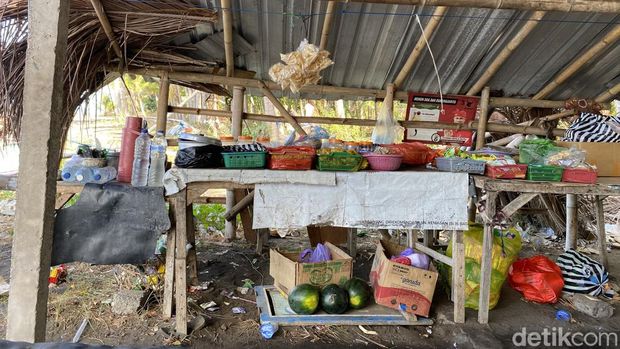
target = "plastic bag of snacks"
x: 301, y: 67
x: 534, y: 150
x: 414, y: 153
x: 506, y: 248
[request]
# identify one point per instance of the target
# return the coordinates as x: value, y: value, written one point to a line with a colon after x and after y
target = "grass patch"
x: 7, y: 195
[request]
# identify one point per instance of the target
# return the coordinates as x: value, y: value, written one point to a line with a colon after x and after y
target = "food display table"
x: 606, y: 186
x: 421, y: 200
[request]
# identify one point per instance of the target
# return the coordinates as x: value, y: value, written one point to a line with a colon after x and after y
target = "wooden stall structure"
x: 46, y: 106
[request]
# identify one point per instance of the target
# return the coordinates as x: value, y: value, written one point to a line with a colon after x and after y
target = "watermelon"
x: 334, y: 299
x: 359, y: 292
x: 304, y: 299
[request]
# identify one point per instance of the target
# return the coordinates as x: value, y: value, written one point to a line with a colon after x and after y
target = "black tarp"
x: 112, y: 223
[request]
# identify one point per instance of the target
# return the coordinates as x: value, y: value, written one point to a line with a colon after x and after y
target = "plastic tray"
x: 544, y: 173
x: 339, y: 162
x: 579, y: 175
x: 506, y: 171
x: 245, y: 160
x: 460, y: 165
x: 291, y: 158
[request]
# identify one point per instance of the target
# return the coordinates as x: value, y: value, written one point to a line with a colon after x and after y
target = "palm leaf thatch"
x: 143, y: 29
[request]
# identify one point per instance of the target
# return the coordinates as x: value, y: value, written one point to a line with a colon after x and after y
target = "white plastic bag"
x: 386, y: 129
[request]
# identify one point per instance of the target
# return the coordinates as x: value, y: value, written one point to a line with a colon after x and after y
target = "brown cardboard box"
x: 605, y: 156
x: 288, y: 273
x: 400, y: 286
x: 335, y: 235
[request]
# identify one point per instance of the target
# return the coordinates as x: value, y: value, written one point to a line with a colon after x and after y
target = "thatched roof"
x: 143, y: 30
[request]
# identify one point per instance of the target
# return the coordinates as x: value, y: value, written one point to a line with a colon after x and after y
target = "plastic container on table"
x: 366, y: 147
x: 131, y: 131
x: 157, y: 166
x: 460, y: 165
x: 291, y: 158
x: 506, y: 171
x: 253, y: 159
x: 351, y: 146
x: 339, y: 161
x: 384, y: 162
x: 579, y: 175
x: 264, y: 141
x: 227, y: 140
x: 544, y: 173
x: 140, y: 169
x: 336, y: 144
x: 245, y: 140
x: 187, y: 140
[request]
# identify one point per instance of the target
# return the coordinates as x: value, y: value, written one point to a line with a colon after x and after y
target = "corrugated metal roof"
x: 370, y: 43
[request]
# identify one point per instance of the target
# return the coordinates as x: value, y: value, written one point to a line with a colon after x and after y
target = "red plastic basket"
x: 507, y: 171
x: 291, y: 158
x: 579, y: 175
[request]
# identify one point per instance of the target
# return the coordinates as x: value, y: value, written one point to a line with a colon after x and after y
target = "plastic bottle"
x: 84, y: 175
x: 158, y: 160
x: 268, y: 329
x: 103, y: 174
x: 140, y: 170
x: 68, y: 173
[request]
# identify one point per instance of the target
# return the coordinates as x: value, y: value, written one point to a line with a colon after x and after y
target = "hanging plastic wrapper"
x: 301, y: 67
x: 386, y: 129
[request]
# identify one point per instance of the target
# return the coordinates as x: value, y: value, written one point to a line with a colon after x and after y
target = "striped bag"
x: 583, y: 275
x: 594, y: 128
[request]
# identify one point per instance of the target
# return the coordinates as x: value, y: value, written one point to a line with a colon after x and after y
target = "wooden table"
x: 607, y: 186
x: 184, y: 264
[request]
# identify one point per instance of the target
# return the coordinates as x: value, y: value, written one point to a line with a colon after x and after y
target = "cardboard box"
x: 288, y: 273
x: 399, y: 286
x: 605, y: 156
x: 334, y: 235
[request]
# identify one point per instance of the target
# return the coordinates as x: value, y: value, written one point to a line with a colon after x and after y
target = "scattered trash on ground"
x: 209, y: 306
x: 268, y: 329
x: 363, y: 329
x: 562, y: 315
x: 239, y: 310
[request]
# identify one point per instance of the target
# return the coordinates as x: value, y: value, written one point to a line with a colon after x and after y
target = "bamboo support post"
x: 583, y: 59
x: 608, y: 94
x: 417, y: 49
x: 162, y: 102
x: 541, y: 5
x: 327, y: 24
x: 107, y: 28
x: 285, y: 114
x: 228, y: 38
x: 243, y: 203
x: 571, y: 221
x: 484, y: 117
x: 527, y: 28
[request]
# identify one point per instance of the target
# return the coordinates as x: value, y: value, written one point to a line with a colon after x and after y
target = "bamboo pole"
x: 327, y: 24
x: 328, y: 90
x: 228, y: 38
x: 506, y: 140
x: 540, y: 5
x: 484, y: 117
x: 506, y: 52
x: 608, y: 94
x: 107, y: 28
x: 419, y: 46
x: 491, y: 127
x: 582, y: 60
x: 285, y: 114
x: 237, y: 111
x: 162, y: 102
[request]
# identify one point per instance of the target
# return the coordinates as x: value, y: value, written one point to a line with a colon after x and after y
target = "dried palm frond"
x: 143, y: 30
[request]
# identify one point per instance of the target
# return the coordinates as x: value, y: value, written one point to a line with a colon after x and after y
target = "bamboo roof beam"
x: 327, y: 24
x: 419, y: 46
x: 228, y: 38
x: 473, y: 125
x: 527, y: 28
x: 285, y: 114
x: 608, y: 94
x: 327, y: 90
x: 610, y: 6
x: 582, y: 60
x: 107, y: 28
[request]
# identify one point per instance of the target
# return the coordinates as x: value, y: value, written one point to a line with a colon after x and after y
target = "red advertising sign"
x: 427, y: 107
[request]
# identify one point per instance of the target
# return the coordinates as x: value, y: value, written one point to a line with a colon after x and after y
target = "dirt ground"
x: 88, y: 290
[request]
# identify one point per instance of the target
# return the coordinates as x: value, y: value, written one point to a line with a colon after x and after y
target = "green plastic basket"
x: 544, y: 173
x: 340, y: 161
x: 245, y: 160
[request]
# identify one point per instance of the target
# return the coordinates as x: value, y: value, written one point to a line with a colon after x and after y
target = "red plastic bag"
x: 414, y: 153
x: 537, y: 278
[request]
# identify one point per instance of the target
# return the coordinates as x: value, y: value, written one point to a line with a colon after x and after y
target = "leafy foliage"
x: 211, y: 216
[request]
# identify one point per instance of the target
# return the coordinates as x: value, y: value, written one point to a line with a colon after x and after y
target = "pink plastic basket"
x: 384, y: 162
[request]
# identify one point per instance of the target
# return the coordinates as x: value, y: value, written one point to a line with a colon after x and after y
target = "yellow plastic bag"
x: 506, y: 248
